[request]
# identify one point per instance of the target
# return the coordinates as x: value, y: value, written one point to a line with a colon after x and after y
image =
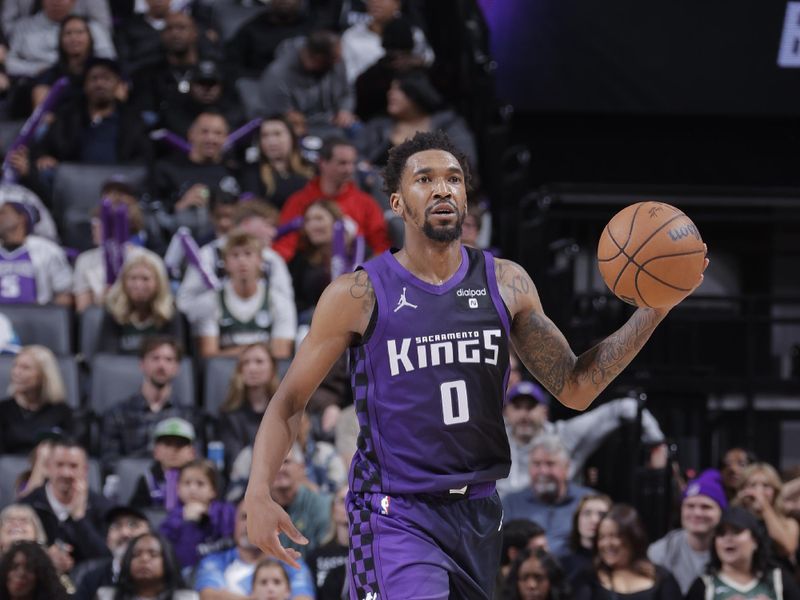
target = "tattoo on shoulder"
x: 361, y: 289
x: 513, y: 280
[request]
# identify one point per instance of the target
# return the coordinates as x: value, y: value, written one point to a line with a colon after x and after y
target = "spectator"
x: 223, y: 210
x: 94, y: 10
x: 551, y: 499
x: 328, y: 562
x: 34, y: 40
x: 252, y: 49
x: 90, y: 281
x: 587, y: 517
x: 253, y: 382
x: 412, y: 105
x: 173, y: 449
x: 244, y: 311
x: 9, y: 340
x: 271, y: 581
x: 536, y: 575
x: 26, y: 572
x: 307, y: 82
x: 471, y: 227
x: 527, y: 415
x: 12, y: 192
x: 337, y: 162
x: 73, y: 516
x: 19, y: 522
x: 372, y: 85
x: 685, y: 552
x: 740, y: 565
x: 228, y: 575
x: 732, y: 466
x: 208, y: 92
x: 39, y: 460
x: 621, y: 567
x: 259, y: 219
x: 129, y: 425
x: 139, y: 41
x: 149, y: 570
x: 34, y: 270
x: 138, y: 305
x: 36, y: 403
x: 362, y: 43
x: 124, y: 524
x: 325, y: 470
x: 308, y: 510
x: 98, y: 129
x: 201, y: 520
x: 759, y: 491
x: 185, y: 182
x: 518, y: 535
x: 75, y: 49
x: 281, y: 170
x: 158, y: 85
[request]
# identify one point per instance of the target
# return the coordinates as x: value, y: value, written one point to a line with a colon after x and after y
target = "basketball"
x: 650, y: 254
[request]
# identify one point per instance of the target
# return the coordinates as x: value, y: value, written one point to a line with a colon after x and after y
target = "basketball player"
x: 427, y: 328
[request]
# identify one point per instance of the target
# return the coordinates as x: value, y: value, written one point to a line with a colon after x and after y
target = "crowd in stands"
x: 125, y: 450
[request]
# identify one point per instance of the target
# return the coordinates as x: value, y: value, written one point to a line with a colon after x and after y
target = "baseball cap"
x: 31, y: 213
x: 207, y: 70
x: 528, y: 389
x: 174, y: 427
x: 109, y: 63
x: 739, y: 519
x: 121, y: 510
x: 708, y: 483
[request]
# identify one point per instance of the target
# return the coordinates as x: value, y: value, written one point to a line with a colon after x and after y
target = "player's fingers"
x: 287, y: 527
x: 287, y: 555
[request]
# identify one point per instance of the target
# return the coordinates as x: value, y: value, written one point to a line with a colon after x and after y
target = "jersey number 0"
x: 455, y: 408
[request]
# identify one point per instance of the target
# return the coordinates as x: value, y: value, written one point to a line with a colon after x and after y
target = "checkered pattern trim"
x: 365, y: 474
x: 362, y: 562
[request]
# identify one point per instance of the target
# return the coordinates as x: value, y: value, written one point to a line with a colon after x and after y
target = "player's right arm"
x: 340, y: 317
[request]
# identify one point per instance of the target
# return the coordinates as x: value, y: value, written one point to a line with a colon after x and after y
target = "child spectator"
x: 172, y: 450
x: 270, y: 581
x: 199, y: 519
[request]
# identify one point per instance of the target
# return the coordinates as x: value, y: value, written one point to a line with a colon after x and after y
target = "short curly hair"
x: 399, y: 155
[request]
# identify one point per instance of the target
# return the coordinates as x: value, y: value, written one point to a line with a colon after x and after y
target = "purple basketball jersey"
x: 429, y: 379
x: 17, y: 277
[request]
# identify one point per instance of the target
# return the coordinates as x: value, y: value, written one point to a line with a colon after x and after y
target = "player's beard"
x: 444, y: 234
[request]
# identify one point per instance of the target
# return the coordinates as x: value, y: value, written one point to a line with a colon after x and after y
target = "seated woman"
x: 536, y: 575
x: 26, y: 573
x: 19, y: 522
x: 759, y: 493
x: 621, y: 568
x: 139, y: 304
x: 740, y: 564
x: 75, y: 48
x: 587, y: 516
x: 251, y: 388
x: 36, y: 403
x: 413, y: 105
x: 281, y: 170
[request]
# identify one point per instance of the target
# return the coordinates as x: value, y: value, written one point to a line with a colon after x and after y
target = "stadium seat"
x: 230, y: 17
x: 13, y: 465
x: 129, y: 471
x: 115, y: 378
x: 76, y: 191
x: 69, y: 373
x: 49, y: 326
x: 217, y: 374
x: 89, y: 331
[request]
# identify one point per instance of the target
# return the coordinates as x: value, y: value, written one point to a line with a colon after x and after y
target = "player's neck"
x: 432, y: 262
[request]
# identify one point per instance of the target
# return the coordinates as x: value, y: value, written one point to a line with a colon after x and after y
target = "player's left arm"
x: 575, y: 380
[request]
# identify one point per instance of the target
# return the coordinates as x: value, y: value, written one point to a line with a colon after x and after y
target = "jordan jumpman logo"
x: 403, y: 302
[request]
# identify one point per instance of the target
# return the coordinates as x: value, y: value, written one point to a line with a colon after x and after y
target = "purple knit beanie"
x: 708, y: 483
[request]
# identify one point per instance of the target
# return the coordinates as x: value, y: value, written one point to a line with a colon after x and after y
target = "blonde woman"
x: 20, y: 522
x: 759, y: 493
x: 139, y: 304
x: 36, y: 401
x: 251, y: 388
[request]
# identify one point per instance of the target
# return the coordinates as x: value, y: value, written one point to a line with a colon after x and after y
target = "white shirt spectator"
x: 47, y: 261
x: 362, y: 48
x: 46, y: 227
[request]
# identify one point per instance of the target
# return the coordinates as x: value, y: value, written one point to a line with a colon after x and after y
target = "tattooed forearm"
x: 543, y: 349
x: 361, y: 289
x: 605, y: 361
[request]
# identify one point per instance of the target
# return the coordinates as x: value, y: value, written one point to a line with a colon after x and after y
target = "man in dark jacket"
x: 73, y: 516
x: 102, y: 130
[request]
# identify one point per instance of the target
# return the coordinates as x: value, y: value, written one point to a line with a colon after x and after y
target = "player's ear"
x: 396, y: 202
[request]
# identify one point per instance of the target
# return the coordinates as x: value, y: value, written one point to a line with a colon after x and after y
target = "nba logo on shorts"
x: 473, y: 303
x: 371, y: 596
x: 385, y: 507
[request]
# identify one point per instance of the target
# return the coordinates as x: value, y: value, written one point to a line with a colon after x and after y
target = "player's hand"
x: 266, y: 520
x: 691, y: 291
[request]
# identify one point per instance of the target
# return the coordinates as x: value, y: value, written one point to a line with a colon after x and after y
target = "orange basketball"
x: 650, y: 254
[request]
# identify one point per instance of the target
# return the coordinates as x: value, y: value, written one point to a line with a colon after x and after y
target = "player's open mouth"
x: 442, y: 209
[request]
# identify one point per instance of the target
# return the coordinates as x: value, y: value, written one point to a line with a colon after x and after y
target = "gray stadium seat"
x: 76, y: 191
x: 89, y: 331
x: 129, y: 471
x: 115, y: 378
x: 12, y: 466
x: 49, y: 326
x: 217, y: 373
x: 230, y: 17
x: 69, y: 373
